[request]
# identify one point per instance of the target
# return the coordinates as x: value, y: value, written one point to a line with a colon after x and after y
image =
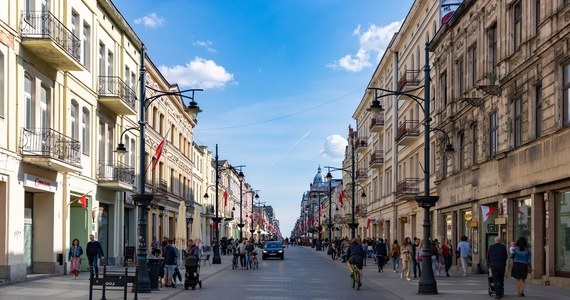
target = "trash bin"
x: 153, y: 269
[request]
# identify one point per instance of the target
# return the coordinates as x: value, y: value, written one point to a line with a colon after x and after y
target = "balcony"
x: 408, y: 132
x: 361, y: 174
x: 377, y: 159
x: 360, y: 143
x: 116, y: 176
x: 407, y: 189
x: 45, y: 36
x: 408, y: 80
x: 377, y: 123
x: 208, y: 211
x: 116, y: 95
x: 50, y: 149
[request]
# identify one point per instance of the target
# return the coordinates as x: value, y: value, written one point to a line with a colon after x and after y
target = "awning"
x: 181, y: 226
x: 197, y: 225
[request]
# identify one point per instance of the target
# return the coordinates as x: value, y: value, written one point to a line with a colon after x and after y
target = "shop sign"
x: 40, y: 183
x: 501, y: 221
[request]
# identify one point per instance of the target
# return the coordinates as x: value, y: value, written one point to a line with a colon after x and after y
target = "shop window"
x: 563, y: 232
x: 523, y: 220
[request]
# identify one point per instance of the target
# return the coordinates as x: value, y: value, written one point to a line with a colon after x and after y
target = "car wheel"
x: 282, y: 257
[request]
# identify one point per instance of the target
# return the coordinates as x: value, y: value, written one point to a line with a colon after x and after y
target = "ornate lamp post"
x: 142, y: 199
x: 241, y: 177
x: 427, y: 284
x: 253, y: 197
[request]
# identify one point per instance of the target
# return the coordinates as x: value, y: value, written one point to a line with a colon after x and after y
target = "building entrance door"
x: 28, y: 231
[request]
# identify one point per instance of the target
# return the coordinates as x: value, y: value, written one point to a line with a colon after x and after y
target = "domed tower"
x: 319, y: 179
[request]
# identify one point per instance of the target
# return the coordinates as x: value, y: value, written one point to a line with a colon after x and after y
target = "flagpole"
x: 85, y: 194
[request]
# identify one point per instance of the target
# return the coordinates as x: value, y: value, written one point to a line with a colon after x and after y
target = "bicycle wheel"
x: 354, y: 277
x: 359, y: 282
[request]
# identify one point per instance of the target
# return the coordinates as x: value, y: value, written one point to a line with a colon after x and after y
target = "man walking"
x: 497, y: 260
x: 94, y: 251
x: 464, y: 250
x: 169, y: 264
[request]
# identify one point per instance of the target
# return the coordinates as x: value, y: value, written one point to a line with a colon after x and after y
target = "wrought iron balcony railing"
x: 409, y: 78
x: 408, y: 128
x: 113, y: 86
x: 51, y: 144
x: 116, y: 172
x: 44, y: 25
x: 408, y: 186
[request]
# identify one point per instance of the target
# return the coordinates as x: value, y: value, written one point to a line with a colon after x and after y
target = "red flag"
x: 225, y: 198
x: 214, y: 225
x: 83, y: 201
x: 340, y: 196
x: 368, y: 223
x: 158, y: 153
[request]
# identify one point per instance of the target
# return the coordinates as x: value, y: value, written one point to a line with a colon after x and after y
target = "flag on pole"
x: 225, y: 198
x: 158, y: 153
x: 83, y: 201
x: 368, y: 223
x: 487, y: 211
x: 340, y: 196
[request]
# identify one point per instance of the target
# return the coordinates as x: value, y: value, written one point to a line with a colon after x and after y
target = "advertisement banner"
x: 448, y: 7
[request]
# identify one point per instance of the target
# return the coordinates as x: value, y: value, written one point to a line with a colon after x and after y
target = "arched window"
x: 29, y: 101
x: 85, y: 132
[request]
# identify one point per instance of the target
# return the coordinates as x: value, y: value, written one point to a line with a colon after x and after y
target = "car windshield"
x: 272, y: 245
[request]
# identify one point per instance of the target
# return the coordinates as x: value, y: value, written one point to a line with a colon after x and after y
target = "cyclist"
x: 355, y: 254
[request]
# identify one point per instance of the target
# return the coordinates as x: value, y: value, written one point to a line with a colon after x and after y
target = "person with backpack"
x: 381, y: 252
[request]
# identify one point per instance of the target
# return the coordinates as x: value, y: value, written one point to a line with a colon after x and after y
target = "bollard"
x: 104, y: 276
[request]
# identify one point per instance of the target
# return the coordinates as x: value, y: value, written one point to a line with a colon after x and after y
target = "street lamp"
x: 241, y: 177
x: 319, y: 227
x: 142, y: 199
x: 353, y: 225
x: 253, y: 197
x: 427, y: 284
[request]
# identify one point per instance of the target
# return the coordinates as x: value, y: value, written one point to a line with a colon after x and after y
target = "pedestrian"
x: 74, y: 256
x: 381, y: 252
x: 406, y: 257
x: 521, y: 264
x: 464, y: 249
x: 497, y: 260
x: 241, y: 251
x: 415, y: 256
x: 395, y: 255
x: 435, y: 257
x: 169, y: 264
x: 94, y: 252
x: 447, y: 254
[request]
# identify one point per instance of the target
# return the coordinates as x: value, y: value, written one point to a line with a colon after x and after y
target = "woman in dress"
x: 521, y: 264
x: 406, y: 257
x: 74, y: 256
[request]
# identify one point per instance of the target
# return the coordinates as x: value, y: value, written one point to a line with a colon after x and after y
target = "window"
x: 110, y: 70
x: 517, y: 123
x: 537, y: 15
x: 75, y: 23
x: 493, y: 134
x: 44, y: 106
x: 461, y: 157
x: 29, y: 101
x: 85, y: 131
x: 2, y: 83
x: 538, y: 110
x: 492, y: 48
x: 472, y: 66
x: 444, y: 90
x: 73, y: 118
x: 517, y: 25
x: 460, y: 78
x: 102, y: 69
x: 566, y: 104
x: 474, y: 143
x: 86, y: 44
x: 132, y: 153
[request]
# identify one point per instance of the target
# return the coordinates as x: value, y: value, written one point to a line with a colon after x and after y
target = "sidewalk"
x: 65, y: 287
x: 474, y: 286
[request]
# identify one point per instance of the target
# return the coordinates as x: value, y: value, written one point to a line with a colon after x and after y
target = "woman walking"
x: 447, y: 255
x: 406, y: 256
x: 521, y: 264
x: 74, y: 256
x: 395, y: 255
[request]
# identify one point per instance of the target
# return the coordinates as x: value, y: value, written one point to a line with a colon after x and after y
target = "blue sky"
x: 281, y: 79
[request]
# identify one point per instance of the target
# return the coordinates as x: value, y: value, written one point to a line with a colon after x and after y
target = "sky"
x: 281, y: 79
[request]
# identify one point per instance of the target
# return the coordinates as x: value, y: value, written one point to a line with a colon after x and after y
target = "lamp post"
x: 241, y: 176
x: 353, y: 225
x: 319, y: 227
x: 427, y: 284
x: 217, y: 259
x: 142, y: 199
x: 330, y: 224
x: 253, y: 197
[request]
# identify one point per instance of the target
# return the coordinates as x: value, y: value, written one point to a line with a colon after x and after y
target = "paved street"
x: 304, y: 274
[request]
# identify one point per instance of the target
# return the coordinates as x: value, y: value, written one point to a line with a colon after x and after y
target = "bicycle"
x: 235, y: 261
x: 356, y: 277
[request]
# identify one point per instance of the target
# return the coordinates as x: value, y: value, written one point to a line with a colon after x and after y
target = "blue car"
x: 273, y: 249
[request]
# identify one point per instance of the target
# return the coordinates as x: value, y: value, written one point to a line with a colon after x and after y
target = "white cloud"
x: 199, y: 73
x: 205, y: 44
x: 335, y: 146
x: 373, y: 43
x: 151, y: 20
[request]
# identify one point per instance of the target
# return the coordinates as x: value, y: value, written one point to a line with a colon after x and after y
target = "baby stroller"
x: 492, y: 291
x: 192, y: 276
